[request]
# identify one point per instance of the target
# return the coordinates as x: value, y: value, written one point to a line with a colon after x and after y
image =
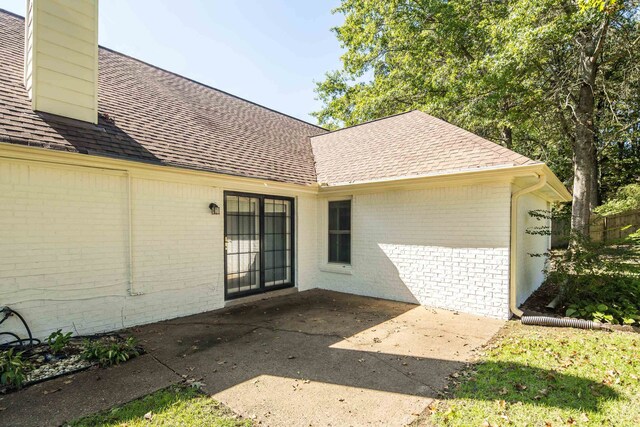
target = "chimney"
x: 61, y: 57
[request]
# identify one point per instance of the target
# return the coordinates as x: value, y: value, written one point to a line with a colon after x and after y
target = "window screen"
x: 340, y: 231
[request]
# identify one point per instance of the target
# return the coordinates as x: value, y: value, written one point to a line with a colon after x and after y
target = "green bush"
x: 627, y: 199
x: 58, y: 341
x: 107, y: 354
x: 13, y: 368
x: 609, y: 299
x: 597, y: 281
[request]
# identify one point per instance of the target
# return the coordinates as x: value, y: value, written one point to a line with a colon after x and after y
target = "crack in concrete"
x: 256, y: 327
x: 404, y: 373
x: 372, y: 354
x: 153, y: 356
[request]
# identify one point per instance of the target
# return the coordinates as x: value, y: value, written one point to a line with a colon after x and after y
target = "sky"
x: 269, y: 51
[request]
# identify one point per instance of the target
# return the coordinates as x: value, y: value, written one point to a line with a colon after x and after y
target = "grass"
x: 174, y: 406
x: 535, y: 376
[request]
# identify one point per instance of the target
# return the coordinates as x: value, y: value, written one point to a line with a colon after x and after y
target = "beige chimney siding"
x: 61, y: 57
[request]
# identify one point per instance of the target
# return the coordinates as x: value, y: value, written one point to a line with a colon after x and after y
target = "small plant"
x: 597, y: 281
x: 13, y: 368
x: 111, y: 353
x: 609, y: 299
x: 58, y: 341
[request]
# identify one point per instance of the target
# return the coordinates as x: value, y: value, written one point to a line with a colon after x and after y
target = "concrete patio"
x: 313, y: 358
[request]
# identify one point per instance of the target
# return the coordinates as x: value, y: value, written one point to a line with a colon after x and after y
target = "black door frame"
x: 262, y: 289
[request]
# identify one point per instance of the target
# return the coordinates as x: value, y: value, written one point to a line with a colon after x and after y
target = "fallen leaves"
x: 541, y: 393
x: 612, y: 376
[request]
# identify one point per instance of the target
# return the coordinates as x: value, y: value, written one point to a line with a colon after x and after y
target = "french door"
x: 258, y: 239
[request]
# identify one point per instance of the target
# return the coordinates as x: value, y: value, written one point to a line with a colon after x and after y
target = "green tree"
x: 554, y: 80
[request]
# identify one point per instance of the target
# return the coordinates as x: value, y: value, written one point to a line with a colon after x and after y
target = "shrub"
x: 58, y: 341
x: 13, y: 368
x: 107, y: 354
x: 610, y: 299
x: 597, y: 281
x: 627, y: 199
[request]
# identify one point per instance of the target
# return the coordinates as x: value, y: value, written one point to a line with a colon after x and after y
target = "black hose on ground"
x: 562, y: 322
x: 11, y: 334
x: 17, y: 342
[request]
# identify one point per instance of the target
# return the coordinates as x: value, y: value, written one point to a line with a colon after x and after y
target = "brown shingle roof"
x: 159, y: 117
x: 405, y: 145
x: 164, y: 118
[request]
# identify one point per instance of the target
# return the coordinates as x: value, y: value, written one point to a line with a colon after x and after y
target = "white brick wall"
x: 444, y: 247
x: 306, y: 234
x: 64, y: 249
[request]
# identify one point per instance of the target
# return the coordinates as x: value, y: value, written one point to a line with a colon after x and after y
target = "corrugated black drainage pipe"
x: 562, y: 323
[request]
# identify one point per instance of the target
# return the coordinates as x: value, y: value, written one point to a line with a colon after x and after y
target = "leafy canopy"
x: 506, y: 70
x: 627, y: 199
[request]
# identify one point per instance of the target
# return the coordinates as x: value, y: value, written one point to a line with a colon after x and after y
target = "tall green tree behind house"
x: 556, y: 80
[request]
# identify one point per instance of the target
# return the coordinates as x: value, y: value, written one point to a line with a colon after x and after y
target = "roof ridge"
x: 208, y: 86
x: 366, y: 123
x: 491, y: 145
x: 188, y: 79
x: 15, y: 15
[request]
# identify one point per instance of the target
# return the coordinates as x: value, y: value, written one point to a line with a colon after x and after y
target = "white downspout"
x: 513, y: 249
x: 132, y: 289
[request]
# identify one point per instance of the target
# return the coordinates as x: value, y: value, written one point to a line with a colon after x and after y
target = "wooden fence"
x: 603, y: 228
x: 614, y: 227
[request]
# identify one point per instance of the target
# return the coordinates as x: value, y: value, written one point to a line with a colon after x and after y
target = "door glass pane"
x: 242, y: 242
x: 277, y: 242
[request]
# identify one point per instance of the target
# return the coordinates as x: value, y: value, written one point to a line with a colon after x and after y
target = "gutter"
x: 446, y: 178
x: 513, y: 247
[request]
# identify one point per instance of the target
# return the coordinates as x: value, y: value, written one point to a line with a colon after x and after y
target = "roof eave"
x: 556, y: 185
x: 499, y: 173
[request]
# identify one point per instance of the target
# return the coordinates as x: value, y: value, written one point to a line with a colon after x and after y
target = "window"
x: 340, y: 231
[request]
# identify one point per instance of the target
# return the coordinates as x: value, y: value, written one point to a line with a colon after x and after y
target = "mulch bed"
x: 537, y: 302
x: 46, y: 366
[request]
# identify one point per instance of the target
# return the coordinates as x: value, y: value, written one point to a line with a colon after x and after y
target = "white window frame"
x: 325, y: 265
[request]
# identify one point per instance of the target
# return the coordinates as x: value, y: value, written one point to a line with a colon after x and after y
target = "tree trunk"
x: 585, y: 161
x: 507, y: 137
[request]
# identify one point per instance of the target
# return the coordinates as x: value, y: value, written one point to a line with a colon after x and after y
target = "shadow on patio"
x: 333, y: 357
